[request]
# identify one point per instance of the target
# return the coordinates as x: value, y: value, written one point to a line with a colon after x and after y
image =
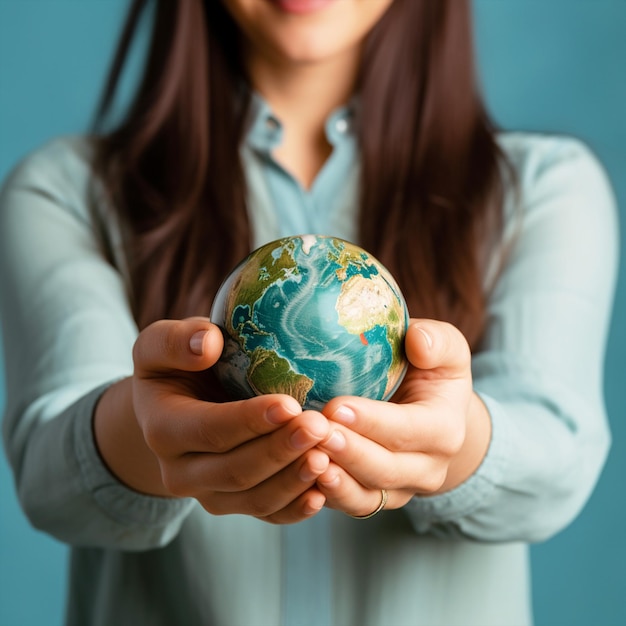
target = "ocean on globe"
x: 314, y: 317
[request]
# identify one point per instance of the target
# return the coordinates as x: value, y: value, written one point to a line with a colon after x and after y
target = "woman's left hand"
x: 430, y: 438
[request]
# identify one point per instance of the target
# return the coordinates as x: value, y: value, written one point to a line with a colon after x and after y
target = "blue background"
x: 551, y: 65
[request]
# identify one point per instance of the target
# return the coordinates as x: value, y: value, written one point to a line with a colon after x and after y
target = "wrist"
x: 475, y: 445
x: 121, y: 444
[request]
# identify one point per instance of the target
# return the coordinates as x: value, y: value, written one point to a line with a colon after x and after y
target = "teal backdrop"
x: 551, y: 65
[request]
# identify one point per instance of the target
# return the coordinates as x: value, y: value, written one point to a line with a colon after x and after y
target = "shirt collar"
x: 265, y: 130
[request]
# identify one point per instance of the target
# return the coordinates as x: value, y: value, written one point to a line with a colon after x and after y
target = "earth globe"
x: 314, y: 317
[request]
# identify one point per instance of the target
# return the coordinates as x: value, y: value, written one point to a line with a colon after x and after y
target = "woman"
x: 256, y: 119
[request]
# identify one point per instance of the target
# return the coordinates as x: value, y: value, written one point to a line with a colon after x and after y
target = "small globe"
x: 314, y: 317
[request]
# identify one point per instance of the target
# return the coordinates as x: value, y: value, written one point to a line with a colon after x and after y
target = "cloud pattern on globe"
x: 314, y: 317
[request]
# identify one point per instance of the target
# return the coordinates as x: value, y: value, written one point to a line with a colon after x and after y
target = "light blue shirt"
x: 457, y: 558
x: 280, y: 206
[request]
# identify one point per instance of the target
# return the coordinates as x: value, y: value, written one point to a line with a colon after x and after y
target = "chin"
x: 306, y: 47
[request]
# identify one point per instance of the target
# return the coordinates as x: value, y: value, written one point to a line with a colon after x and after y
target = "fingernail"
x: 278, y: 414
x: 344, y: 415
x: 327, y: 480
x: 307, y: 474
x: 429, y: 339
x: 300, y: 439
x: 311, y: 508
x: 335, y: 443
x: 196, y: 342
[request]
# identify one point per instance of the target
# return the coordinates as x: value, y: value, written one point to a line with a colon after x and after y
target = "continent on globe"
x: 314, y: 317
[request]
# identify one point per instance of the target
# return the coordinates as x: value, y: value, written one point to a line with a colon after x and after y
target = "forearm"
x: 68, y: 332
x: 528, y: 487
x: 121, y: 443
x: 67, y: 492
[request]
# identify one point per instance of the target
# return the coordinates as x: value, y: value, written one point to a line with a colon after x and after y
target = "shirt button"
x: 271, y: 123
x: 341, y: 125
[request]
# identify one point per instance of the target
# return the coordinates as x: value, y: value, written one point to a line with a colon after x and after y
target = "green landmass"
x: 259, y: 272
x: 270, y: 373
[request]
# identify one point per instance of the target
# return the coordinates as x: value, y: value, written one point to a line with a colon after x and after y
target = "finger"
x: 283, y: 498
x: 175, y: 424
x: 376, y: 467
x: 431, y: 344
x: 344, y: 493
x: 307, y: 505
x: 436, y: 425
x: 248, y: 465
x: 190, y: 345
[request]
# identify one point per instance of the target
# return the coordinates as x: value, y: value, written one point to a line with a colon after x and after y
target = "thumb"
x: 433, y: 345
x: 190, y: 345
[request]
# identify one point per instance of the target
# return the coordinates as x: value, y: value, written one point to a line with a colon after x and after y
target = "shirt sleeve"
x: 540, y: 368
x: 68, y: 332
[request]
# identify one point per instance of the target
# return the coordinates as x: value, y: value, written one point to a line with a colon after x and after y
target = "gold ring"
x: 383, y: 500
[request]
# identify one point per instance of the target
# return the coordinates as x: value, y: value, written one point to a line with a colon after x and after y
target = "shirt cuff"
x: 158, y: 518
x: 445, y: 514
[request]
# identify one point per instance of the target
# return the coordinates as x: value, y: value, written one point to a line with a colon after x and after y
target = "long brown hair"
x: 430, y: 199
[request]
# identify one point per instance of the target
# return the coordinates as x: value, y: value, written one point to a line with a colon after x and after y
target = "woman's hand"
x: 256, y: 457
x: 429, y: 439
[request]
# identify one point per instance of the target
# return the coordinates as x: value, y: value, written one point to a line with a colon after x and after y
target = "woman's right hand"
x: 256, y: 457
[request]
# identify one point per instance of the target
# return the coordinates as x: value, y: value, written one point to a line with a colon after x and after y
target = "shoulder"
x: 561, y: 220
x: 560, y: 182
x: 59, y: 170
x: 560, y: 163
x: 61, y: 164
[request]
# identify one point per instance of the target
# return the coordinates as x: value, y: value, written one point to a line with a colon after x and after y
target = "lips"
x: 301, y: 7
